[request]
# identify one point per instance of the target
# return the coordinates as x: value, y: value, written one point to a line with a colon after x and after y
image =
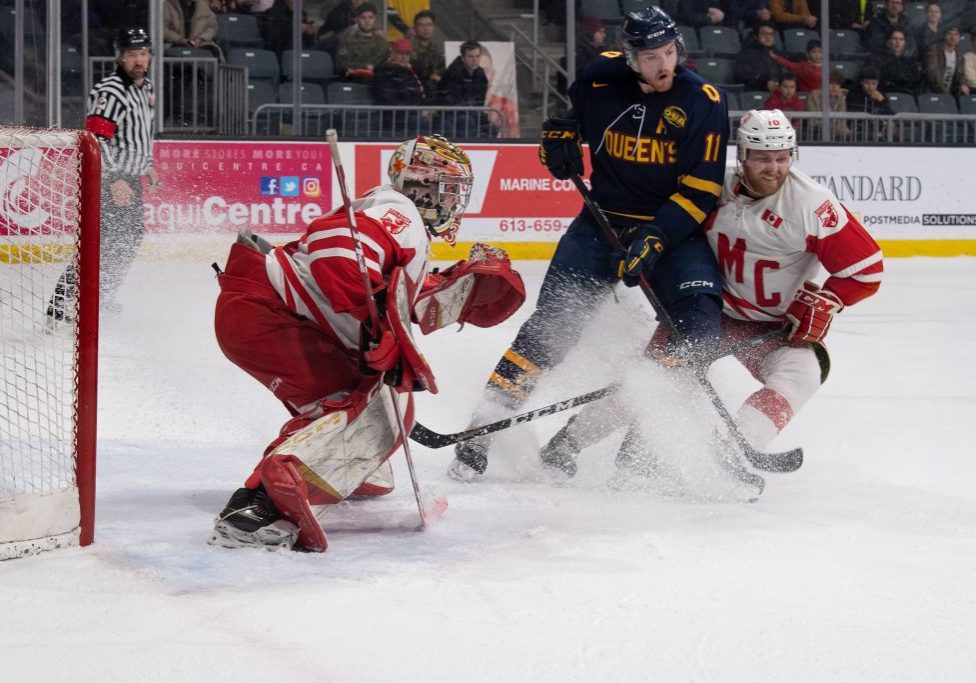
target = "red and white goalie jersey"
x: 318, y: 276
x: 766, y: 248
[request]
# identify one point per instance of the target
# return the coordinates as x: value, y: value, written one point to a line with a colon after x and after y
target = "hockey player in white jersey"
x: 296, y: 318
x: 773, y: 230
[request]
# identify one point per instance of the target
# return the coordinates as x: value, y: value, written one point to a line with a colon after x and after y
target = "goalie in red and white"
x: 773, y: 231
x: 295, y: 317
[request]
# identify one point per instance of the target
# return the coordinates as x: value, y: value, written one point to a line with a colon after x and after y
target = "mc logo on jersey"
x: 828, y: 217
x: 269, y: 185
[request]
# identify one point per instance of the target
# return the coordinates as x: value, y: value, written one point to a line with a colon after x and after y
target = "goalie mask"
x: 765, y: 129
x: 435, y: 174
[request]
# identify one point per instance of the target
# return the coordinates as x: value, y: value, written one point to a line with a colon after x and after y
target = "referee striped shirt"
x: 120, y: 113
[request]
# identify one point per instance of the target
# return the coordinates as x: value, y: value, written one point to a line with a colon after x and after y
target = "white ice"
x: 860, y: 566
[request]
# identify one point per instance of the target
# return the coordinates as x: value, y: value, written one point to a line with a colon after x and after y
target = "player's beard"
x: 762, y: 184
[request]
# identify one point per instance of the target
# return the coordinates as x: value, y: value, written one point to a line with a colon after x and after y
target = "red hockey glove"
x: 645, y: 249
x: 384, y: 354
x: 561, y: 151
x: 810, y: 312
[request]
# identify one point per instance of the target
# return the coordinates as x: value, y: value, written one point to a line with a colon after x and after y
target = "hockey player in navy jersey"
x: 657, y: 134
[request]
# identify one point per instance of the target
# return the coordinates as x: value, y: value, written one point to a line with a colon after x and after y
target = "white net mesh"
x: 39, y: 228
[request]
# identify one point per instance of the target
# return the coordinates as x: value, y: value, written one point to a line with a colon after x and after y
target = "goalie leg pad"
x: 379, y: 483
x: 289, y: 492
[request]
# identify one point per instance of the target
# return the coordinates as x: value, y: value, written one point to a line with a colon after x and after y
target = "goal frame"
x: 83, y: 401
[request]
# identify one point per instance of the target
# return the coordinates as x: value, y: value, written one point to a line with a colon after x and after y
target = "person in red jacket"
x: 807, y: 72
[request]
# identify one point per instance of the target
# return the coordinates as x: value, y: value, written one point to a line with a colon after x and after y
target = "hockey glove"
x: 561, y: 151
x: 810, y: 313
x: 645, y: 249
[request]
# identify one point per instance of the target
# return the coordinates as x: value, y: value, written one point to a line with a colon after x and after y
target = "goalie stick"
x: 786, y: 461
x: 436, y: 507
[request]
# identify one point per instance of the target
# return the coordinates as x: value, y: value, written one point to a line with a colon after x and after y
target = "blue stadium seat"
x: 795, y: 40
x: 261, y: 64
x: 317, y: 65
x: 238, y: 30
x: 902, y: 102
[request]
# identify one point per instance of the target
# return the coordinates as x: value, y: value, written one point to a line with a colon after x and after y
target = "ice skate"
x: 250, y: 520
x: 470, y: 461
x: 559, y: 455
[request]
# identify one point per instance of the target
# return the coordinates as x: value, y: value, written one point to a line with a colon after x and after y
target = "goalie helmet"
x: 435, y: 174
x: 646, y: 29
x: 766, y: 129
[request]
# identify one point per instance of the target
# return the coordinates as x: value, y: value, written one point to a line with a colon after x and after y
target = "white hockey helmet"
x: 436, y: 175
x: 767, y: 129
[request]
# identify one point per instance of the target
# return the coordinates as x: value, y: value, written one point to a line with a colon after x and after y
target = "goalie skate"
x: 250, y: 520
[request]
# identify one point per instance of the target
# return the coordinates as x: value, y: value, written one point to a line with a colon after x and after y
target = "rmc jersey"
x: 657, y: 156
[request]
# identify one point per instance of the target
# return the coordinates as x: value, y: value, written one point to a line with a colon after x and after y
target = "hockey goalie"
x: 295, y: 317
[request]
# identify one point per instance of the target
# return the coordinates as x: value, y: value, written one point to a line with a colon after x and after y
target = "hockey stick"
x: 431, y: 439
x: 787, y: 461
x: 374, y: 321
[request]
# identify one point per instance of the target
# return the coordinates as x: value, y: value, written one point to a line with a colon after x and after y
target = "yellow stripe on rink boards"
x: 518, y: 251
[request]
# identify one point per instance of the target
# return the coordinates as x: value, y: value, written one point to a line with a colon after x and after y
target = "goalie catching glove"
x: 811, y: 312
x: 561, y: 151
x: 482, y: 290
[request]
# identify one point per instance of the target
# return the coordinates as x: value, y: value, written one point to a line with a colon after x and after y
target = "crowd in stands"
x: 876, y: 48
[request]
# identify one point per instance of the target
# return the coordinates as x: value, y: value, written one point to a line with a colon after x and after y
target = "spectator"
x: 900, y: 71
x: 785, y: 98
x: 360, y: 46
x: 849, y: 15
x: 792, y: 14
x: 428, y: 52
x: 338, y: 20
x: 189, y: 23
x: 943, y: 65
x: 969, y: 65
x: 837, y: 103
x: 276, y: 27
x: 700, y: 13
x: 747, y: 14
x: 929, y: 33
x: 396, y: 82
x: 401, y: 15
x: 890, y: 17
x: 465, y: 84
x: 868, y: 99
x: 226, y: 6
x: 754, y: 65
x: 808, y: 71
x: 594, y: 41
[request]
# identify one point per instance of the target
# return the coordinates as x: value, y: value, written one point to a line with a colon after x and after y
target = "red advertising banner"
x: 514, y: 197
x: 225, y: 186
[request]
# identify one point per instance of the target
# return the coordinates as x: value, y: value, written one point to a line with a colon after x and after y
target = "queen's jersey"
x: 656, y: 156
x: 766, y: 248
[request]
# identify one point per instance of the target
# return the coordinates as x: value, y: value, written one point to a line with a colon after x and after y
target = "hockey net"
x: 49, y: 220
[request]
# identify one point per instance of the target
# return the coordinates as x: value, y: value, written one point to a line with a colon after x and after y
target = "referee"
x: 120, y: 114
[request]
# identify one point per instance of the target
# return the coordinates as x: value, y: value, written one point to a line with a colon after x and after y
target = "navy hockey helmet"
x: 646, y: 29
x: 131, y: 39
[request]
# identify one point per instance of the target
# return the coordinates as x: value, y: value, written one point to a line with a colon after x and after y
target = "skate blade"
x: 279, y: 535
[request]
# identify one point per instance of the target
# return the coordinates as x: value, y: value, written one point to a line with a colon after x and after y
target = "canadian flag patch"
x: 828, y: 217
x: 394, y: 221
x: 772, y: 218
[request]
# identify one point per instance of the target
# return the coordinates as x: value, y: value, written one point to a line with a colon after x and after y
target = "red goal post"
x: 49, y: 223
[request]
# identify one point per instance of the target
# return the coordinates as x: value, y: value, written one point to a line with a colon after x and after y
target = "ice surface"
x: 860, y: 566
